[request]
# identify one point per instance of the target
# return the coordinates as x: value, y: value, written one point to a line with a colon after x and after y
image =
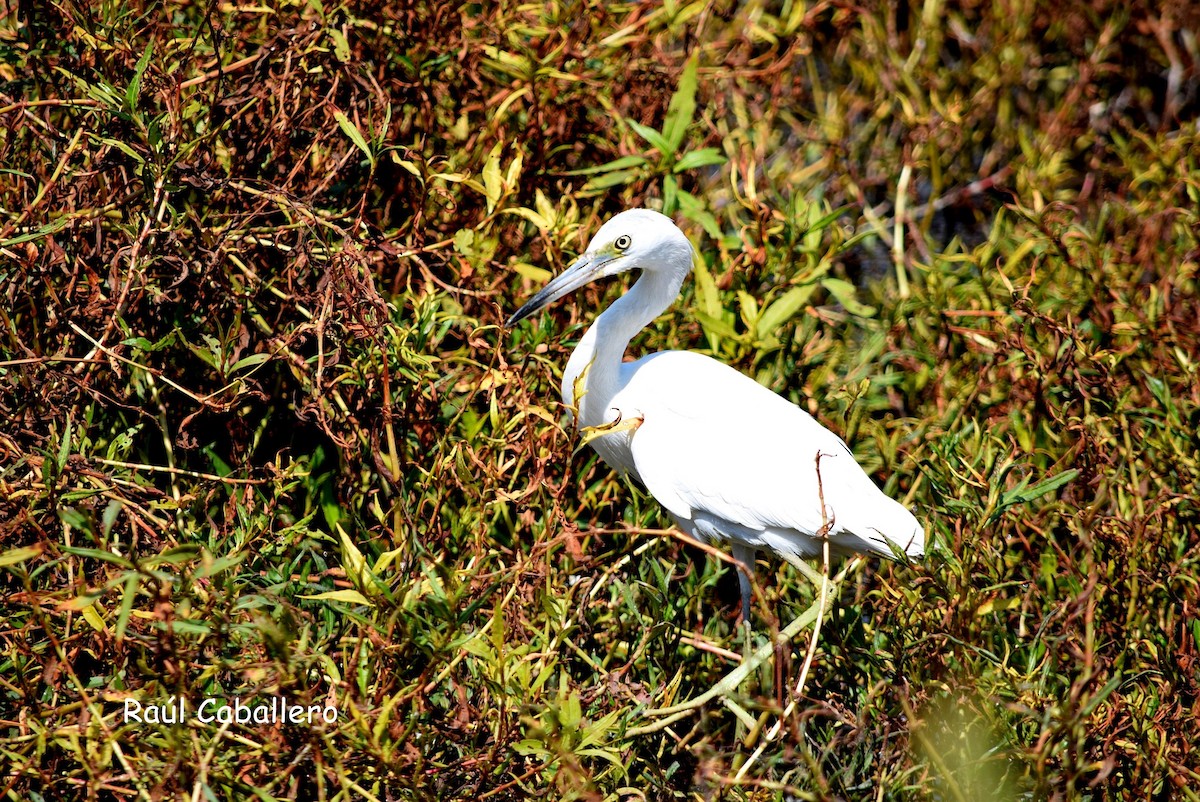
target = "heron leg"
x: 745, y: 555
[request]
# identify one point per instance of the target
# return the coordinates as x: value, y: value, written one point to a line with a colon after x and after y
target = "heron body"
x: 729, y: 459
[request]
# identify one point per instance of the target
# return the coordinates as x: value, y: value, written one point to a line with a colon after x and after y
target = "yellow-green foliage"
x: 263, y: 433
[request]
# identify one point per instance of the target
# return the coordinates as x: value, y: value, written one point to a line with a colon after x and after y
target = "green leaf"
x: 544, y: 207
x: 352, y: 560
x: 613, y: 179
x: 997, y: 606
x: 211, y: 567
x: 782, y: 309
x: 749, y: 309
x: 845, y: 293
x: 129, y: 593
x: 176, y: 555
x: 491, y: 177
x: 145, y: 345
x: 700, y: 158
x: 533, y: 272
x: 670, y: 194
x: 571, y: 713
x: 19, y: 555
x: 824, y: 222
x: 220, y: 466
x: 623, y: 163
x: 347, y: 595
x: 464, y: 241
x: 693, y: 209
x: 92, y: 617
x: 135, y: 85
x: 715, y: 326
x: 190, y: 626
x: 706, y: 290
x: 70, y: 516
x: 1162, y: 392
x: 386, y: 559
x: 250, y: 361
x: 1021, y: 495
x: 98, y: 554
x: 64, y: 448
x: 1049, y: 565
x: 1103, y: 693
x: 498, y: 628
x: 350, y: 130
x: 653, y: 137
x: 512, y: 64
x: 38, y: 233
x: 530, y: 747
x: 605, y: 754
x: 121, y: 146
x: 529, y: 214
x: 405, y: 164
x: 682, y: 106
x: 598, y: 731
x: 513, y: 174
x: 341, y: 47
x: 479, y: 647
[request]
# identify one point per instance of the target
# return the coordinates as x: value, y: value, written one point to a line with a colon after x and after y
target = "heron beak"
x: 582, y: 271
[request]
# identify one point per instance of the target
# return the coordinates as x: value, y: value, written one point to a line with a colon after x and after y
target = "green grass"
x: 263, y: 432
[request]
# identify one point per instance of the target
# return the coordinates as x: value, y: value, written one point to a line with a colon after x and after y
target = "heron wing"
x: 715, y: 443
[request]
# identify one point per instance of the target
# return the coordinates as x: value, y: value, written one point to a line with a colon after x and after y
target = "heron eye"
x: 622, y: 242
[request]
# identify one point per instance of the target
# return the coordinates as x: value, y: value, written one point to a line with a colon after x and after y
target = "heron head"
x: 637, y: 238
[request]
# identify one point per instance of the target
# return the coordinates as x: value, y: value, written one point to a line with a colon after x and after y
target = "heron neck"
x: 602, y: 348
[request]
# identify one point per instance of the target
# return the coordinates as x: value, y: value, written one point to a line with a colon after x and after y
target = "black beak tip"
x: 525, y: 311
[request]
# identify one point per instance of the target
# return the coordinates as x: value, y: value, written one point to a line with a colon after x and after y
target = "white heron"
x: 731, y: 460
